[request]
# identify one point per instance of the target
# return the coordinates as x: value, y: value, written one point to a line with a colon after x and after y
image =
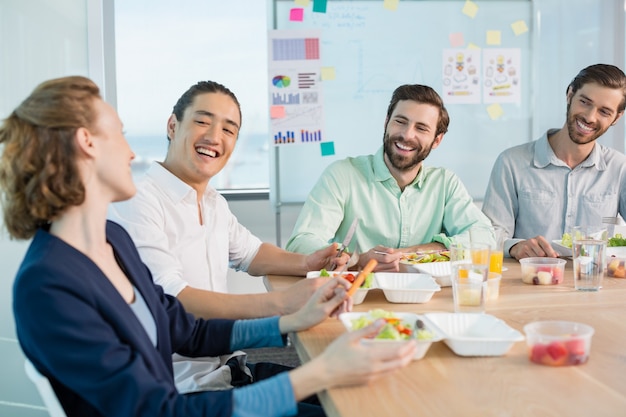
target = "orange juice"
x: 481, y: 256
x: 495, y: 262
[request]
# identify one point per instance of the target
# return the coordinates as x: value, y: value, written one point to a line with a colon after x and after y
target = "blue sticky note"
x: 319, y: 6
x: 327, y: 148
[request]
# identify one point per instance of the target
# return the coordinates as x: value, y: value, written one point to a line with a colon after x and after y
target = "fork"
x: 354, y: 258
x: 611, y: 222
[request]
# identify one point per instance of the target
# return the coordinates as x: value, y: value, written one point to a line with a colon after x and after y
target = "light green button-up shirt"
x: 434, y: 207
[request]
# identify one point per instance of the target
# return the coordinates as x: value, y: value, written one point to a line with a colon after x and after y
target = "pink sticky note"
x: 456, y: 39
x: 277, y: 112
x: 296, y: 14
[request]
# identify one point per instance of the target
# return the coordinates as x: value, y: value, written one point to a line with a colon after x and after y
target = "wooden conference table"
x: 443, y: 384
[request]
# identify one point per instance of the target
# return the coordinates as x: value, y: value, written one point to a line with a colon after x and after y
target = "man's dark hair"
x: 603, y: 74
x: 201, y: 87
x: 421, y: 94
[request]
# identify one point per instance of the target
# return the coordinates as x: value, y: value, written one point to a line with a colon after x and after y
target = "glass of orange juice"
x: 468, y: 253
x: 495, y: 239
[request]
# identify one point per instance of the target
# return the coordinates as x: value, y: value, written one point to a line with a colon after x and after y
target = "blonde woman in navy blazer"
x: 86, y: 310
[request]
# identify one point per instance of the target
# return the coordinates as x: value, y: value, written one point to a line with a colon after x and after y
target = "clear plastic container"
x: 542, y: 271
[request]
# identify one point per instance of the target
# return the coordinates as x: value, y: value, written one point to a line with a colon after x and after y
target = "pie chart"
x: 281, y: 81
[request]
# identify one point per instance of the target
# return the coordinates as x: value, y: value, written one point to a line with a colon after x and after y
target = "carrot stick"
x: 358, y: 281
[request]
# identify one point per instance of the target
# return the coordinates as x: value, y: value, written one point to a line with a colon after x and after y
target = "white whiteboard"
x: 373, y: 51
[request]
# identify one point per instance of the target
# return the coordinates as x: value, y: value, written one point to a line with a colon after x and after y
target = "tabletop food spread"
x: 498, y: 345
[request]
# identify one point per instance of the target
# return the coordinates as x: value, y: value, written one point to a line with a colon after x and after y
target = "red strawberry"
x: 537, y: 353
x: 576, y: 348
x: 556, y: 354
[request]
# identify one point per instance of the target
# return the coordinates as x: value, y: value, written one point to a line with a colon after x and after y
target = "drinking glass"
x: 494, y: 237
x: 469, y: 287
x: 589, y: 253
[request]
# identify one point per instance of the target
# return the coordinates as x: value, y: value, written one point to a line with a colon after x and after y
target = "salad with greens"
x: 350, y: 277
x: 616, y: 240
x: 394, y: 328
x: 426, y: 257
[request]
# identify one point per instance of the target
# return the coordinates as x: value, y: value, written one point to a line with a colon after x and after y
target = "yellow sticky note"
x: 277, y: 112
x: 391, y: 4
x: 519, y: 27
x: 303, y: 3
x: 495, y: 111
x: 470, y: 9
x: 493, y: 37
x: 472, y: 45
x: 456, y: 39
x: 328, y: 73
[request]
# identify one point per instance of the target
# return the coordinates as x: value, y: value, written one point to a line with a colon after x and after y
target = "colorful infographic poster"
x: 461, y: 76
x: 502, y: 75
x: 295, y: 90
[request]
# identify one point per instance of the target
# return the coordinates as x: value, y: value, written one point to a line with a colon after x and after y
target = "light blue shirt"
x: 434, y: 207
x: 270, y: 397
x: 531, y: 192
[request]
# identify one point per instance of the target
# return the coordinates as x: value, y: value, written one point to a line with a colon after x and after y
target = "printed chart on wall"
x: 295, y: 91
x: 493, y: 74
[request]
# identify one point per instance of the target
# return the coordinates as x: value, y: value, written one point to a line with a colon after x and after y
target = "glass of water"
x: 589, y: 253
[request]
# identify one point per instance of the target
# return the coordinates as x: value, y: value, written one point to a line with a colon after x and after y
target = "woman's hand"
x: 349, y: 361
x: 330, y: 299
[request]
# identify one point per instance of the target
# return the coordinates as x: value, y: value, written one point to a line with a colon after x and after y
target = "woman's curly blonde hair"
x: 39, y: 177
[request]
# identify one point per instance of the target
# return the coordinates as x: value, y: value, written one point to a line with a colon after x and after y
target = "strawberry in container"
x: 542, y: 271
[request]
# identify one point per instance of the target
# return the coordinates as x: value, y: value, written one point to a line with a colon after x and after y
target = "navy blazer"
x: 80, y: 333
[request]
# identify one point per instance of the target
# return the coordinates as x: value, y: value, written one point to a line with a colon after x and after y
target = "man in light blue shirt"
x: 402, y: 205
x: 539, y: 190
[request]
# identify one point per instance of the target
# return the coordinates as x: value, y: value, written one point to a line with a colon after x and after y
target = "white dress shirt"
x: 162, y: 218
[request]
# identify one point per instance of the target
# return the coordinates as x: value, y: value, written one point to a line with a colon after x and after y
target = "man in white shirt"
x: 186, y: 233
x: 539, y: 190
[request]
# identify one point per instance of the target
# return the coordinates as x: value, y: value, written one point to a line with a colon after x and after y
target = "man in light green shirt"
x: 402, y: 205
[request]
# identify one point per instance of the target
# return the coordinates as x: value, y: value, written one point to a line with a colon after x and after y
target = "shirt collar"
x: 544, y: 155
x: 175, y: 188
x: 382, y: 173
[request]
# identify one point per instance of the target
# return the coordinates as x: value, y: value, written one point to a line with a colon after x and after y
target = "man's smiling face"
x: 591, y: 111
x: 410, y: 134
x: 201, y: 144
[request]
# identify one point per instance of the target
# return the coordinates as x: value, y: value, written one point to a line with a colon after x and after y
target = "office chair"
x: 45, y: 390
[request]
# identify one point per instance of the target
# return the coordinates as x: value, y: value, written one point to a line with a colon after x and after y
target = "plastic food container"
x: 410, y: 319
x: 493, y: 286
x: 359, y: 295
x: 558, y: 343
x: 406, y: 287
x: 616, y: 262
x: 472, y: 334
x: 542, y: 271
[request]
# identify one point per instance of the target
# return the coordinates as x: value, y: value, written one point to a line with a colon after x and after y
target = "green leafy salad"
x: 616, y: 240
x: 394, y: 328
x: 369, y: 278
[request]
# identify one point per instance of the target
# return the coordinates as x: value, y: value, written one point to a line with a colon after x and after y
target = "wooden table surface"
x: 443, y: 384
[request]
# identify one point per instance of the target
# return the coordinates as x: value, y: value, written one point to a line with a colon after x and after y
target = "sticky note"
x: 472, y: 46
x: 277, y: 112
x: 519, y: 27
x: 319, y: 6
x: 470, y: 8
x: 495, y: 111
x: 456, y: 39
x: 303, y: 3
x: 327, y: 148
x: 296, y: 14
x: 391, y: 4
x: 493, y: 37
x: 328, y: 73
